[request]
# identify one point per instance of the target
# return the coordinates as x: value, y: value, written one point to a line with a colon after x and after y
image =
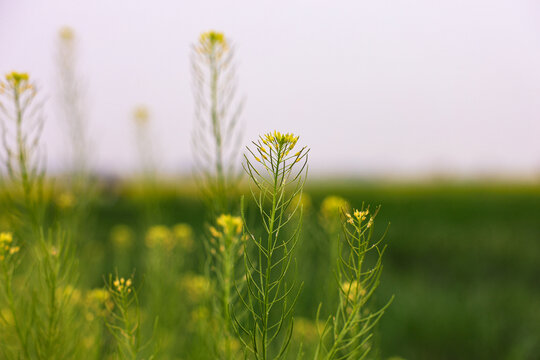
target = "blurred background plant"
x: 217, y: 136
x: 22, y: 163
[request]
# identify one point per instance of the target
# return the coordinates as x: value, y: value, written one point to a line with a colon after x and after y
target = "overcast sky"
x: 392, y: 87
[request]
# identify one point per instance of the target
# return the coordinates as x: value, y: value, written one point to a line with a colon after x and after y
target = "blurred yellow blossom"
x: 7, y: 316
x: 212, y: 44
x: 184, y: 235
x: 6, y: 237
x: 160, y: 236
x: 98, y: 303
x: 231, y: 225
x: 196, y: 287
x: 332, y: 206
x: 122, y: 236
x: 66, y: 33
x: 65, y: 200
x: 6, y: 245
x: 352, y: 290
x: 302, y: 200
x: 305, y: 330
x: 141, y: 115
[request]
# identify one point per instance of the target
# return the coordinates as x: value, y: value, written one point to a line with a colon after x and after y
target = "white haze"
x: 373, y: 87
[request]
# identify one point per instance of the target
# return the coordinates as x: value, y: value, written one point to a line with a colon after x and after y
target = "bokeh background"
x: 430, y: 109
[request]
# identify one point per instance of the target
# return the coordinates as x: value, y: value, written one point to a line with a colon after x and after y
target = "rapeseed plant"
x: 78, y: 189
x: 21, y: 125
x: 243, y: 303
x: 39, y: 298
x: 217, y: 135
x: 145, y: 148
x: 124, y: 324
x: 72, y: 106
x: 348, y: 333
x: 225, y: 248
x: 41, y: 329
x: 277, y: 172
x: 330, y: 219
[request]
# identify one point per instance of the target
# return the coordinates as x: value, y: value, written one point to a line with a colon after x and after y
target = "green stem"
x: 269, y: 258
x: 11, y: 303
x: 216, y: 127
x: 23, y: 163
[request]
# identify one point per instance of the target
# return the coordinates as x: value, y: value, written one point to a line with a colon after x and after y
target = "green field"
x: 463, y: 261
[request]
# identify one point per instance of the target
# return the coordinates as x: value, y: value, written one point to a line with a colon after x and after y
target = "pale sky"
x: 373, y: 87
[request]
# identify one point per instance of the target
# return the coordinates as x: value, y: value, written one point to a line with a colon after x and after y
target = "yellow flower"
x: 18, y: 82
x: 122, y: 285
x: 370, y: 223
x: 212, y: 43
x: 160, y: 236
x: 278, y: 140
x: 230, y: 224
x: 122, y: 236
x: 184, y: 235
x: 353, y: 290
x: 66, y: 33
x: 16, y: 78
x: 98, y: 303
x: 6, y: 237
x: 305, y: 330
x: 303, y: 201
x: 14, y: 249
x: 65, y: 200
x: 141, y: 115
x: 6, y: 245
x: 332, y: 206
x: 214, y: 232
x: 196, y: 287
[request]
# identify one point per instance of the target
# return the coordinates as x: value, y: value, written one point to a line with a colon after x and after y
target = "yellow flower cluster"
x: 212, y: 43
x: 161, y: 236
x: 332, y: 206
x: 19, y: 82
x: 184, y: 235
x: 141, y: 115
x: 277, y: 144
x: 230, y: 224
x: 353, y: 290
x: 66, y: 33
x: 302, y: 200
x: 6, y: 245
x: 16, y: 78
x: 360, y: 216
x: 305, y: 330
x: 65, y: 200
x: 122, y: 236
x: 98, y: 302
x: 229, y: 233
x: 122, y: 285
x: 279, y: 140
x: 196, y: 287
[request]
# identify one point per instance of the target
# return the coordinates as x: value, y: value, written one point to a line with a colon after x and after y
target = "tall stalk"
x: 268, y: 255
x: 216, y: 136
x: 348, y: 333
